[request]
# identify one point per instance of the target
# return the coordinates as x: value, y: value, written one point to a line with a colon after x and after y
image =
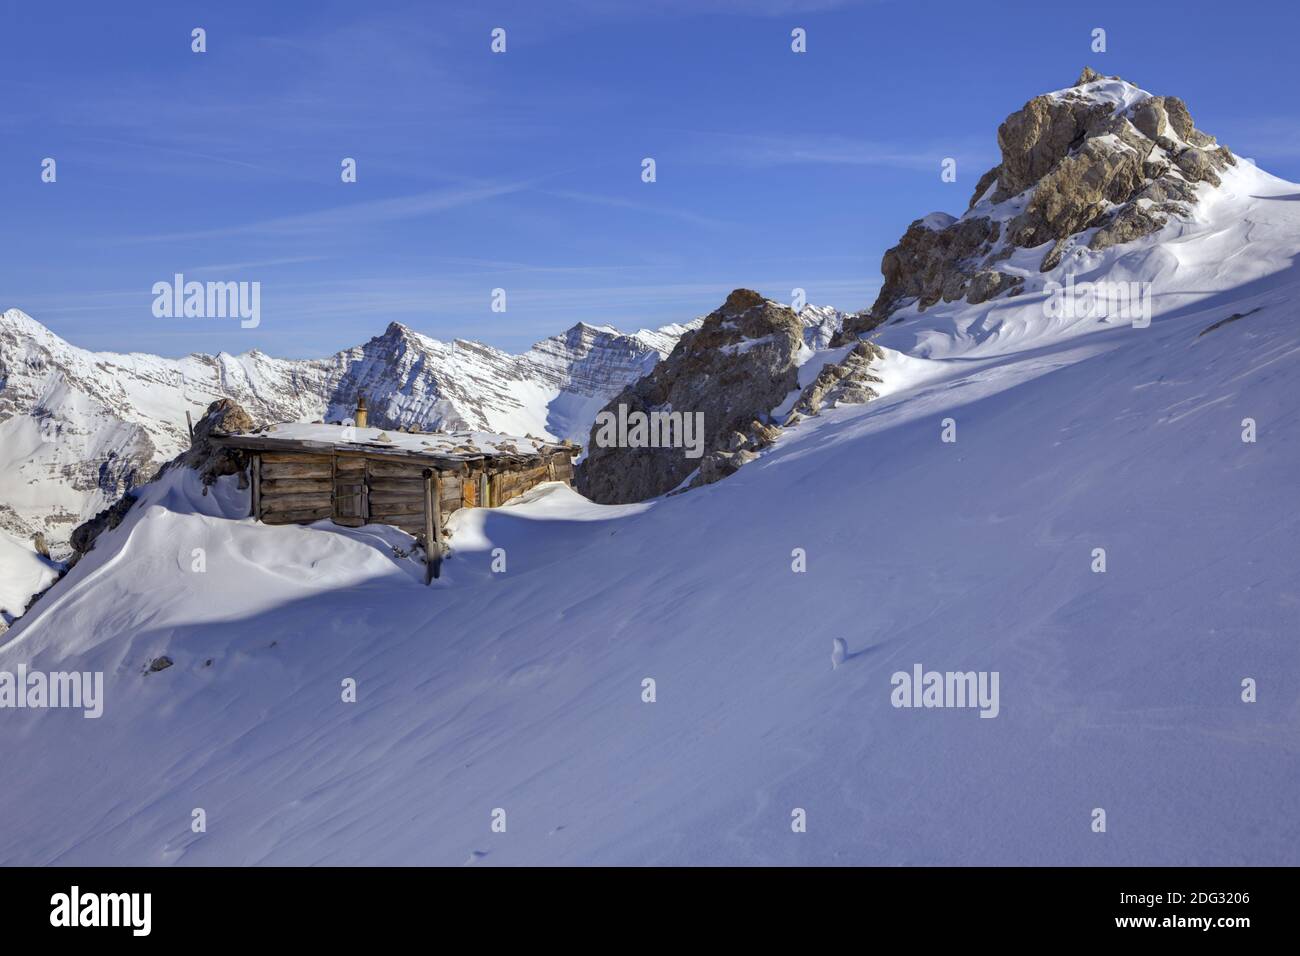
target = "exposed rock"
x: 83, y: 538
x: 1100, y: 155
x: 1079, y: 188
x: 1131, y: 222
x: 721, y: 464
x: 989, y: 283
x: 223, y: 417
x: 762, y: 434
x: 848, y: 382
x: 1236, y: 316
x: 1038, y: 136
x: 734, y: 369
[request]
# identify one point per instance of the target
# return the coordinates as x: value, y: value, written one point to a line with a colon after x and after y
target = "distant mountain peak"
x: 118, y: 417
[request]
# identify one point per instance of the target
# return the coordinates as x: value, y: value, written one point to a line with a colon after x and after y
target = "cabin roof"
x: 434, y: 446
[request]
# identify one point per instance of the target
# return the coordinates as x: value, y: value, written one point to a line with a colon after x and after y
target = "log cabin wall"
x: 295, y: 487
x: 353, y: 489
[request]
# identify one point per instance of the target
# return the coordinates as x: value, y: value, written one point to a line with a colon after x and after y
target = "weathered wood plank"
x: 282, y: 503
x: 256, y: 468
x: 397, y: 485
x: 399, y: 507
x: 432, y: 527
x: 303, y: 516
x: 389, y: 517
x: 289, y: 486
x: 296, y: 470
x: 285, y: 457
x: 396, y: 469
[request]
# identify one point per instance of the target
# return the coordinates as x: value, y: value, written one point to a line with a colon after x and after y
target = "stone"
x: 1076, y: 163
x: 732, y: 370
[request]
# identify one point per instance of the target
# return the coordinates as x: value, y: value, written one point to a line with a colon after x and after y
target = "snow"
x: 458, y: 444
x: 937, y: 221
x: 1242, y: 235
x: 1119, y: 94
x: 23, y: 573
x: 522, y: 689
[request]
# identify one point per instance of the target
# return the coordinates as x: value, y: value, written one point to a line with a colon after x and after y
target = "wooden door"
x: 351, y: 498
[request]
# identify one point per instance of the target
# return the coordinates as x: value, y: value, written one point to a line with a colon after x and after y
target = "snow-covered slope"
x: 23, y: 573
x: 523, y: 690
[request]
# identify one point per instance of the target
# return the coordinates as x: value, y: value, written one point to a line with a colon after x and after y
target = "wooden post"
x: 256, y: 468
x: 365, y: 490
x: 432, y: 525
x: 484, y: 490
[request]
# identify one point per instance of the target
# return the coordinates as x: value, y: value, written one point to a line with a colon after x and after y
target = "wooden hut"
x: 301, y: 473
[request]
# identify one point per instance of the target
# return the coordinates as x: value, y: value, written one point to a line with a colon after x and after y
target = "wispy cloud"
x: 350, y: 216
x: 835, y: 150
x: 615, y: 202
x: 225, y: 268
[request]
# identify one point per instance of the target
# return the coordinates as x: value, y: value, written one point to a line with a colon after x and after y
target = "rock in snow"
x: 729, y: 373
x: 1088, y: 167
x: 839, y: 652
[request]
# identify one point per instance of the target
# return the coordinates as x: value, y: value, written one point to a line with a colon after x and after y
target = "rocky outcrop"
x: 84, y: 536
x: 846, y: 383
x: 212, y: 461
x: 1101, y: 156
x: 730, y: 372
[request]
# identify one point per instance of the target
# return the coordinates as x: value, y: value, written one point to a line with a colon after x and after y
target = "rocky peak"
x: 732, y: 371
x: 1094, y: 165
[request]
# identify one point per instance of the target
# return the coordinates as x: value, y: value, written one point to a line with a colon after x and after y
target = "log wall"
x: 300, y: 487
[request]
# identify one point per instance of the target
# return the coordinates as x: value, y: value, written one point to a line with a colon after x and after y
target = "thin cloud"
x: 653, y: 208
x: 351, y: 216
x: 823, y: 150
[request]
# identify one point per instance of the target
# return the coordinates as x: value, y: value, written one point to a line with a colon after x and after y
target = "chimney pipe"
x: 360, y: 418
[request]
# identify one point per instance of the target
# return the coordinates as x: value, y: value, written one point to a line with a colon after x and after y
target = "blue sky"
x: 522, y: 171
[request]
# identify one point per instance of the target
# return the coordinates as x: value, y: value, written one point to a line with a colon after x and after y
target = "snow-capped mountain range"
x: 80, y: 428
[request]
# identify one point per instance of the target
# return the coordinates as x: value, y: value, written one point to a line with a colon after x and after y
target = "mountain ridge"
x: 80, y: 428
